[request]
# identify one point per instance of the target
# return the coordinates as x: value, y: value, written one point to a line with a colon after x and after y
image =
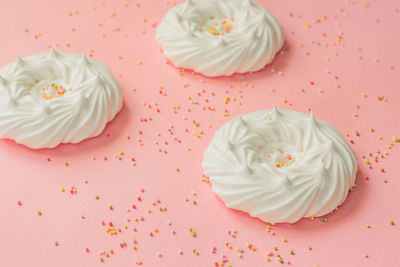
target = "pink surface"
x: 334, y: 77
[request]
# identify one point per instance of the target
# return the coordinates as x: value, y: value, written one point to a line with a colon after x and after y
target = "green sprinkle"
x: 291, y: 252
x: 111, y: 207
x: 39, y: 213
x: 97, y: 197
x: 391, y: 222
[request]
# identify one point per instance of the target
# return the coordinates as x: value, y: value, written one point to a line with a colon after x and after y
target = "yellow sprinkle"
x: 365, y: 5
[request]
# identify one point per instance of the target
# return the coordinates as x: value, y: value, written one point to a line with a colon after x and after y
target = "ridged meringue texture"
x: 280, y: 166
x: 220, y: 37
x: 56, y: 97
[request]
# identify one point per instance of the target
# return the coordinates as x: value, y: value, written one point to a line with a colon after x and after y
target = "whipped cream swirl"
x: 280, y: 166
x: 220, y: 37
x: 56, y: 97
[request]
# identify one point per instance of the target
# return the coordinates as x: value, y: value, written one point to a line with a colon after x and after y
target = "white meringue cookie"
x: 249, y: 41
x: 280, y: 166
x: 56, y: 97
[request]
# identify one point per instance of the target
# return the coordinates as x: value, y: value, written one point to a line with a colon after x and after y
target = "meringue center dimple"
x: 280, y: 158
x: 49, y: 89
x: 218, y: 26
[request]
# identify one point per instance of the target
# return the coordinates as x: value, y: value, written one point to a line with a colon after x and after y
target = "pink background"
x: 366, y: 61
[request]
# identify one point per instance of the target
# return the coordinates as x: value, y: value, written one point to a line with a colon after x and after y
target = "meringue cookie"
x: 220, y: 38
x: 280, y: 166
x: 56, y: 97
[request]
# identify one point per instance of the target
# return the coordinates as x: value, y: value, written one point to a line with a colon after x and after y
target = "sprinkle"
x: 193, y: 232
x: 39, y: 213
x: 19, y: 203
x: 391, y: 222
x: 97, y: 197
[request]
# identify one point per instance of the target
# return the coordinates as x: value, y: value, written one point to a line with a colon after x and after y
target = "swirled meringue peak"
x: 56, y: 97
x: 220, y: 38
x: 280, y: 166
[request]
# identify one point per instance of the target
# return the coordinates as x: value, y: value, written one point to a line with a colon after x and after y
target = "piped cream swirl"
x: 280, y: 166
x: 56, y: 97
x: 220, y: 37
